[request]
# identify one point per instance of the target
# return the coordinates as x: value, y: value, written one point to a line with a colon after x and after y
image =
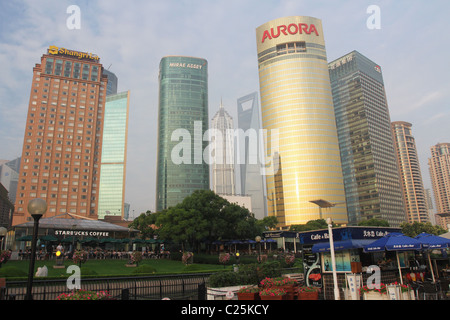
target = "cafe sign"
x: 81, y: 233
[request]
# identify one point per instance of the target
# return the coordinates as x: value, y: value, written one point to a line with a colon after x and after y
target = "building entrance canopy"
x: 68, y: 225
x: 346, y: 237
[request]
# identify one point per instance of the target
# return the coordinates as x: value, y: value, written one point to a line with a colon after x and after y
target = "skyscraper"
x: 223, y: 180
x: 296, y: 103
x: 112, y: 85
x: 439, y: 166
x: 369, y: 165
x: 182, y: 121
x: 63, y: 135
x: 410, y: 174
x: 114, y: 155
x: 9, y: 176
x: 252, y: 181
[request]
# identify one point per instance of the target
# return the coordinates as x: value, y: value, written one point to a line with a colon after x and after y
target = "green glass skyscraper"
x: 114, y: 155
x: 182, y: 121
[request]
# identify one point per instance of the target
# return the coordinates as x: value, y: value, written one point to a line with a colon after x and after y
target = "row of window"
x: 71, y: 69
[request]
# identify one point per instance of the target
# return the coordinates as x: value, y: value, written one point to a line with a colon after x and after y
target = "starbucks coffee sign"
x: 81, y: 233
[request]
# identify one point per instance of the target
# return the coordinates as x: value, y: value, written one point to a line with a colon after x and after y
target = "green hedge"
x: 248, y: 274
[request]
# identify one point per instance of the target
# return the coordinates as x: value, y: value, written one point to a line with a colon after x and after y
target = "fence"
x: 174, y: 287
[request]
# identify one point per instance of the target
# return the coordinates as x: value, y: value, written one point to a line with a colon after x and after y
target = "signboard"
x: 312, y: 269
x: 339, y: 234
x: 81, y: 233
x: 290, y: 29
x: 354, y: 283
x: 72, y: 53
x: 185, y: 65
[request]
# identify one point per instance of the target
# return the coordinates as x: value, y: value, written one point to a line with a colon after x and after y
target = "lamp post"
x: 333, y: 260
x: 258, y: 241
x: 36, y: 208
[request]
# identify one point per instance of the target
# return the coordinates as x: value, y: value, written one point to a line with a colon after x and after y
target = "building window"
x: 291, y: 47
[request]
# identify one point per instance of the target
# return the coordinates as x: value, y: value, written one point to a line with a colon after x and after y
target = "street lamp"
x: 36, y: 208
x: 333, y: 260
x: 258, y: 241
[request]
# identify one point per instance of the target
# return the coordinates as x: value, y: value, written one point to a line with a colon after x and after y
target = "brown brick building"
x: 63, y: 135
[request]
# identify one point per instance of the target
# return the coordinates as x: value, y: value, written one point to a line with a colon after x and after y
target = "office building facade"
x: 296, y: 103
x: 414, y: 195
x: 439, y: 166
x: 251, y: 179
x: 369, y: 165
x: 9, y: 176
x: 113, y: 82
x: 114, y: 155
x: 182, y: 122
x: 63, y: 135
x: 223, y: 162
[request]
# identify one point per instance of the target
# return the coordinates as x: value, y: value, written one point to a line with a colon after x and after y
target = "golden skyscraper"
x: 296, y: 100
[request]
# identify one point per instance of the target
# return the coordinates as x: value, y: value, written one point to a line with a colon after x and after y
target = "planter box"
x: 221, y: 292
x: 375, y: 296
x: 308, y: 295
x: 248, y: 296
x: 292, y: 291
x: 273, y: 297
x: 407, y: 295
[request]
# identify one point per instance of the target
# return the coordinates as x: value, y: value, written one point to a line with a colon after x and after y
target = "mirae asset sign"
x: 81, y: 233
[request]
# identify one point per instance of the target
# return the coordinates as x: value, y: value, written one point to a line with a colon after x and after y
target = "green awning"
x: 89, y: 239
x: 48, y: 238
x: 25, y: 238
x: 69, y: 239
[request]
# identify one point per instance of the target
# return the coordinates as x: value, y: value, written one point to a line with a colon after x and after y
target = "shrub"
x: 80, y: 256
x: 84, y: 295
x: 187, y: 258
x: 270, y: 270
x: 226, y: 279
x: 247, y: 274
x: 136, y: 257
x: 224, y: 258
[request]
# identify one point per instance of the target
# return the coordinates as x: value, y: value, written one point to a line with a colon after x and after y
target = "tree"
x: 416, y: 228
x: 146, y: 224
x: 374, y: 223
x: 203, y: 216
x: 311, y: 225
x: 267, y: 223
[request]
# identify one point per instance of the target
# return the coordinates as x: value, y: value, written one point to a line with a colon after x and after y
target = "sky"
x: 130, y: 37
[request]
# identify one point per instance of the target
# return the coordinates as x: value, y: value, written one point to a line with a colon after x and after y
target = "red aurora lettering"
x: 293, y: 28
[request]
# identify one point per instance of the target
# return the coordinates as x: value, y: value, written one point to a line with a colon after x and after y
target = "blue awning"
x: 341, y: 245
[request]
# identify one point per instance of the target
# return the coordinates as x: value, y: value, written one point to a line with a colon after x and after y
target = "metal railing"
x: 174, y: 287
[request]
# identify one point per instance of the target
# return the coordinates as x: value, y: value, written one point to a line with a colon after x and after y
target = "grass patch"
x: 107, y: 267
